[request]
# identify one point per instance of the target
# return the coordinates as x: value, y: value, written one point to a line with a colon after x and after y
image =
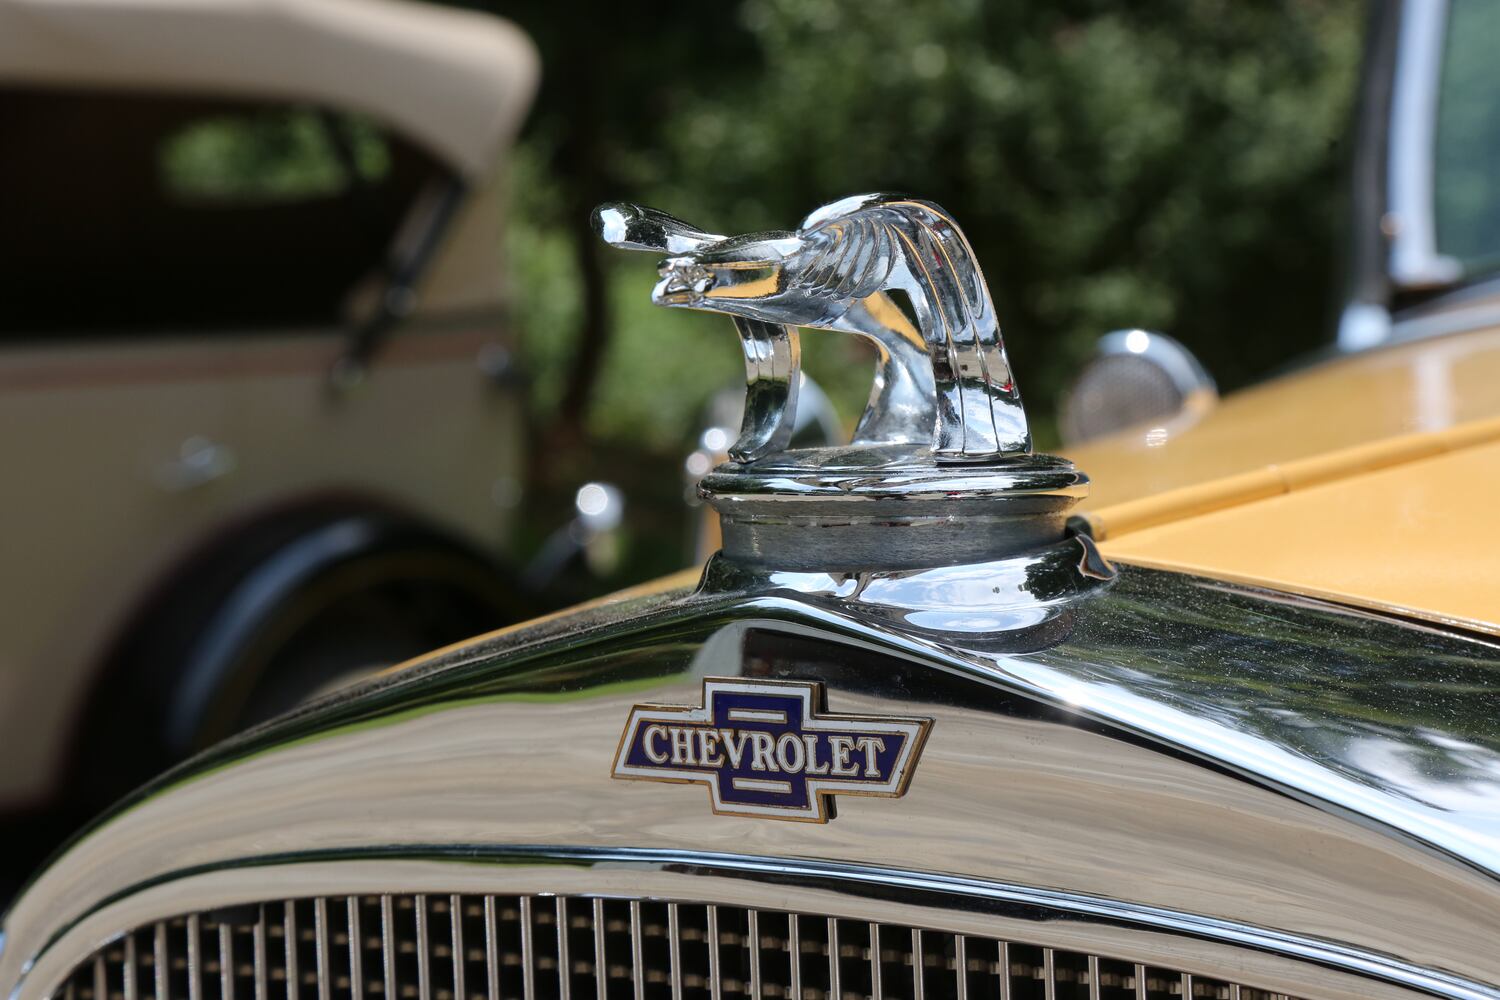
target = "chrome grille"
x: 580, y: 948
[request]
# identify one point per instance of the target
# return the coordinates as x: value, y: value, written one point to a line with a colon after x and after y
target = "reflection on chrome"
x: 1137, y: 379
x: 1275, y: 776
x: 942, y: 377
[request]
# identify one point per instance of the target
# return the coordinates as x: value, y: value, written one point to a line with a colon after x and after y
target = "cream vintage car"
x: 252, y: 367
x: 1206, y: 708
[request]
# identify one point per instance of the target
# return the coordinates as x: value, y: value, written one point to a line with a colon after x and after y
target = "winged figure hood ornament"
x: 943, y: 409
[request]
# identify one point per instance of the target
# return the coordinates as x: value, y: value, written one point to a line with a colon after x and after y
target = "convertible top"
x: 453, y: 81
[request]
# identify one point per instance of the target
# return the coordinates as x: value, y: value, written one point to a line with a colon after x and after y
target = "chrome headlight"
x: 1136, y: 377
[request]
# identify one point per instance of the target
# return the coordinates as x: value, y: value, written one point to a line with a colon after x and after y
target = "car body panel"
x: 1398, y: 452
x: 1399, y: 538
x: 97, y: 433
x: 1344, y: 402
x: 132, y: 451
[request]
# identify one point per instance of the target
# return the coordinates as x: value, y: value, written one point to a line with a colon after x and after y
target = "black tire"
x: 357, y: 619
x: 176, y: 685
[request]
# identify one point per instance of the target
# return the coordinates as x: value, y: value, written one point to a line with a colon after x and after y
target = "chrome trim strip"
x: 1415, y: 262
x: 1463, y: 310
x: 926, y: 889
x: 960, y: 904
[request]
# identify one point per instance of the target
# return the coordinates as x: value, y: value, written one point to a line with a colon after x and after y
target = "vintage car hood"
x: 1209, y: 752
x: 1363, y: 468
x: 1133, y: 769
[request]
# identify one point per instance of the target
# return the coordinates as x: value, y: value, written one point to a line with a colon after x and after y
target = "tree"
x: 1176, y: 164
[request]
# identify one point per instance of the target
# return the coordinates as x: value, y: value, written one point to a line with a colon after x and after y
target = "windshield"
x: 129, y: 211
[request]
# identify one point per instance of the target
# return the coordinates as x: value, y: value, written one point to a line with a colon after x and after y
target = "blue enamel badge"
x: 765, y: 748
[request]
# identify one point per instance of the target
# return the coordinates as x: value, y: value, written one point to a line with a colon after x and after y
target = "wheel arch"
x: 178, y: 648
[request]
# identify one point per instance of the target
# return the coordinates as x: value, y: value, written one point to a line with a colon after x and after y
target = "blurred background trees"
x: 1175, y: 164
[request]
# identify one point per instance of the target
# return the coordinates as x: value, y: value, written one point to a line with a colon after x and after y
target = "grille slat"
x: 424, y: 952
x: 130, y: 967
x: 456, y: 947
x: 356, y: 949
x: 320, y: 940
x: 637, y: 960
x: 456, y: 930
x: 715, y: 980
x: 835, y: 972
x: 528, y: 953
x: 564, y: 955
x: 262, y: 971
x: 674, y: 945
x: 752, y: 936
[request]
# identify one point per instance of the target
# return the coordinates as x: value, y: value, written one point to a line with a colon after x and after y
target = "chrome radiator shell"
x: 486, y: 947
x: 1119, y: 777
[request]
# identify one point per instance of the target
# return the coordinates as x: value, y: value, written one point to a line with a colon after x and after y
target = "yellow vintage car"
x: 1208, y: 707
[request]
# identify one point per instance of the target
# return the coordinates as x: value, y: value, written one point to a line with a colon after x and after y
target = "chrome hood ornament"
x: 946, y: 375
x: 943, y: 446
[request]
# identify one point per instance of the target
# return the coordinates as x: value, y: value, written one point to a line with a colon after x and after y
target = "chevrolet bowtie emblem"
x: 765, y: 748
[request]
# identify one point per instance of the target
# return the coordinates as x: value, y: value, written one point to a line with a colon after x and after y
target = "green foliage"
x: 1176, y: 164
x: 268, y: 156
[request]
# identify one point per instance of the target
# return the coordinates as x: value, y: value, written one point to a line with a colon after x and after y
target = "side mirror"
x: 1136, y: 377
